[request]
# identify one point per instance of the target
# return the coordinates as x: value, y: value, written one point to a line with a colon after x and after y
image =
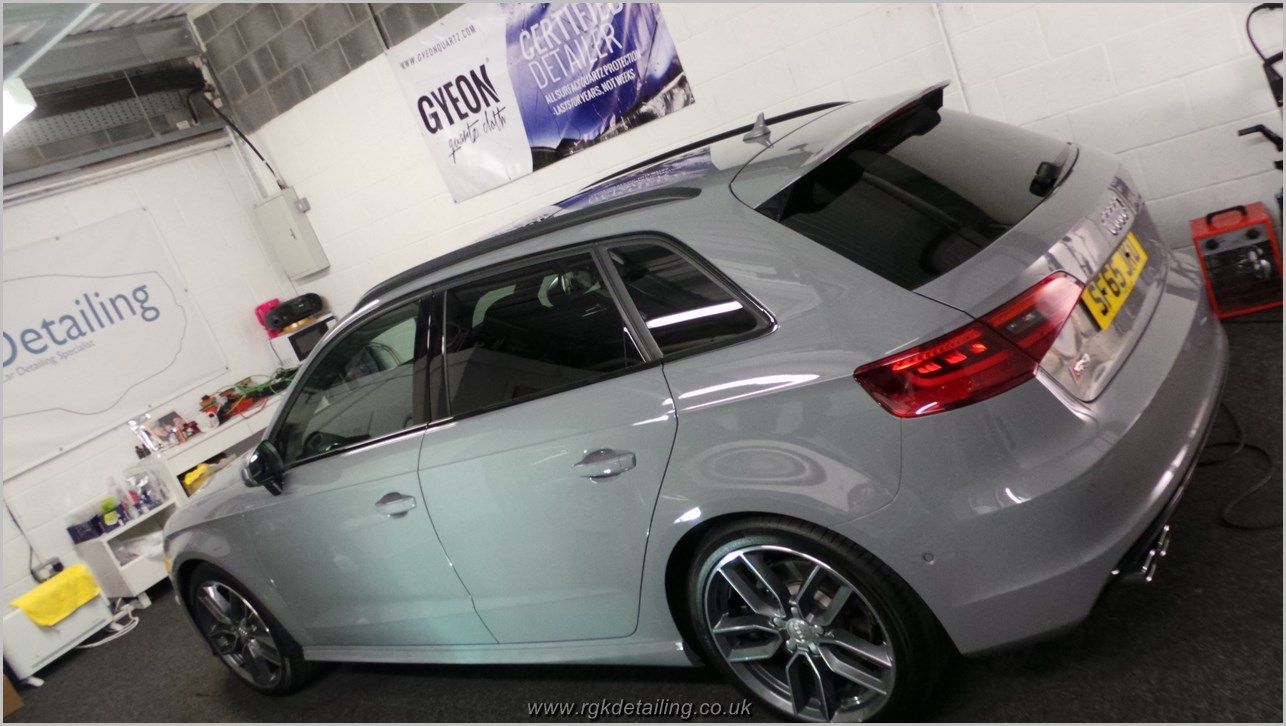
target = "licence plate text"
x: 1106, y: 293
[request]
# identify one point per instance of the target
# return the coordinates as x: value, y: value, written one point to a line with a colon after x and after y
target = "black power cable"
x: 31, y: 548
x: 1273, y: 76
x: 1238, y: 445
x: 232, y: 125
x: 1251, y: 36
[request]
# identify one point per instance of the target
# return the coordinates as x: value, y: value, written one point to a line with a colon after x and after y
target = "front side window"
x: 541, y: 328
x: 683, y: 307
x: 370, y: 383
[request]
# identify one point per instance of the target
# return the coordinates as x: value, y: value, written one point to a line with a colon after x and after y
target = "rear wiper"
x: 1048, y: 172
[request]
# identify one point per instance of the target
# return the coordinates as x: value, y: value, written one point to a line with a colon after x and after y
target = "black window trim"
x: 500, y: 268
x: 423, y: 296
x: 433, y: 295
x: 765, y: 322
x: 635, y: 324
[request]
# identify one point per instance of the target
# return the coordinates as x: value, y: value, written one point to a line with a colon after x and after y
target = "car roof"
x: 678, y: 174
x: 752, y: 168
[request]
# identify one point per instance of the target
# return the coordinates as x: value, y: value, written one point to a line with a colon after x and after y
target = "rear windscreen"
x: 919, y: 194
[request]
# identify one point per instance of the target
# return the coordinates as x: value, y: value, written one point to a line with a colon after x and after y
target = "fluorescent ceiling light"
x: 17, y: 102
x: 687, y: 315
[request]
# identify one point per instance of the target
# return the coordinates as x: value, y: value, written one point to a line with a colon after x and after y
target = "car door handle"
x: 395, y: 504
x: 604, y: 463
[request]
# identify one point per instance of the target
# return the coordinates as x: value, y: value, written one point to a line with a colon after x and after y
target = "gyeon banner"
x: 501, y: 90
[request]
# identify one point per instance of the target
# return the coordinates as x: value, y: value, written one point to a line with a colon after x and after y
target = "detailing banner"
x: 97, y: 330
x: 501, y: 90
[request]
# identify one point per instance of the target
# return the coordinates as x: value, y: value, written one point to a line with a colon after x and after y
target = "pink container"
x: 262, y: 310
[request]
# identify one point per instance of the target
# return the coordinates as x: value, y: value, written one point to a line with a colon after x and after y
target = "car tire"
x: 244, y: 635
x: 845, y: 625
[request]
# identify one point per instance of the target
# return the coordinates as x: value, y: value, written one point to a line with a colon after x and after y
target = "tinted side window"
x: 368, y: 384
x: 681, y: 305
x: 543, y: 327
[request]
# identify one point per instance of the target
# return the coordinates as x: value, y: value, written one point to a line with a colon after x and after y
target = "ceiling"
x: 46, y: 43
x: 23, y: 21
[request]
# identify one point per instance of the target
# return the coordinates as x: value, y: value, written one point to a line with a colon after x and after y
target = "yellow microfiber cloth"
x: 59, y: 596
x: 197, y: 473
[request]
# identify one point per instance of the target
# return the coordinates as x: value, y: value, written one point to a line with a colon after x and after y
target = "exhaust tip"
x: 1144, y: 568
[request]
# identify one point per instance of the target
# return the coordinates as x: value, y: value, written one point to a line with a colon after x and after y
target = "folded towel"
x: 59, y: 596
x: 197, y: 473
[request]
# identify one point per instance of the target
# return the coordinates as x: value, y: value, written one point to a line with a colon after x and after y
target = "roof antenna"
x: 759, y: 132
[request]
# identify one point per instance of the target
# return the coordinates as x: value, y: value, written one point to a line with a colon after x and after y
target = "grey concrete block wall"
x: 267, y: 57
x: 402, y: 20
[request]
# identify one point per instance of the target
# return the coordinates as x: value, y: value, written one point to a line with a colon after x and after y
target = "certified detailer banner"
x: 501, y: 90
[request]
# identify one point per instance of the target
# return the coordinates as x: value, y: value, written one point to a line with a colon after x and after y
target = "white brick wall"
x: 1009, y: 44
x: 1135, y: 119
x: 1175, y: 47
x: 1046, y: 89
x: 1069, y: 27
x: 201, y: 206
x: 1164, y: 86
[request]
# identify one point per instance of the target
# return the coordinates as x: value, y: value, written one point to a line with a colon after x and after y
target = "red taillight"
x: 978, y: 361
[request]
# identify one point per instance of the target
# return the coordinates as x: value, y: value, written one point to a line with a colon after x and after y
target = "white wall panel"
x: 1228, y: 91
x: 1135, y: 119
x: 201, y: 205
x: 1065, y: 83
x: 1169, y: 165
x: 1007, y: 45
x: 1175, y: 47
x: 985, y: 13
x: 903, y: 28
x: 1069, y: 27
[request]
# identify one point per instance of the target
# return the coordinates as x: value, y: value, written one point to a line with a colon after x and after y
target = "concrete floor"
x: 1202, y: 643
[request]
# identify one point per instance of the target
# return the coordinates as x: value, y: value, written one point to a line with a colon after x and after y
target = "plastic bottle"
x: 128, y: 510
x: 137, y: 501
x: 148, y: 492
x: 110, y: 514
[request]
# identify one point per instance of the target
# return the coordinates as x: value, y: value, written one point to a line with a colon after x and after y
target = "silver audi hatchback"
x: 817, y: 402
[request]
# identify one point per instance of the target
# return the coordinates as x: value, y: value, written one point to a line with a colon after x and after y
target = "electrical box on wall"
x: 289, y: 236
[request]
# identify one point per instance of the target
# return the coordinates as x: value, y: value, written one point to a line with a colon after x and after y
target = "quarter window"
x: 682, y: 307
x: 538, y: 329
x: 369, y: 384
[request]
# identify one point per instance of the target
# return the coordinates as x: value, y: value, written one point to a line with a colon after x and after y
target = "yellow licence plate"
x: 1106, y: 293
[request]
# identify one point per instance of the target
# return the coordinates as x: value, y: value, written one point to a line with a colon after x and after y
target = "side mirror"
x: 264, y: 468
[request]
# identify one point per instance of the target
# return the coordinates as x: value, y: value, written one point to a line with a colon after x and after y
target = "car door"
x: 348, y: 542
x: 543, y: 481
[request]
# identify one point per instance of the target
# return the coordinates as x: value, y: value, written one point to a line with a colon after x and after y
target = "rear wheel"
x: 243, y: 634
x: 811, y: 626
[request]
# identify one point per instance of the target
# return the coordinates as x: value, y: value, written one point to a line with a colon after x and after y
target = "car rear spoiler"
x: 928, y: 98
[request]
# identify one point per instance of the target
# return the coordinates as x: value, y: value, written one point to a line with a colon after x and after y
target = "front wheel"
x: 811, y: 626
x: 244, y: 635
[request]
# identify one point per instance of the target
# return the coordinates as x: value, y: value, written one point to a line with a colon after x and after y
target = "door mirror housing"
x: 264, y: 468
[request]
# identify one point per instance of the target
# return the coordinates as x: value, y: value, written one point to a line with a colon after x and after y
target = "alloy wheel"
x: 238, y: 634
x: 799, y: 634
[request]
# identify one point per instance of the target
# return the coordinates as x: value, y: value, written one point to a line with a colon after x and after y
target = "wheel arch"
x: 183, y: 576
x: 679, y: 563
x: 245, y: 578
